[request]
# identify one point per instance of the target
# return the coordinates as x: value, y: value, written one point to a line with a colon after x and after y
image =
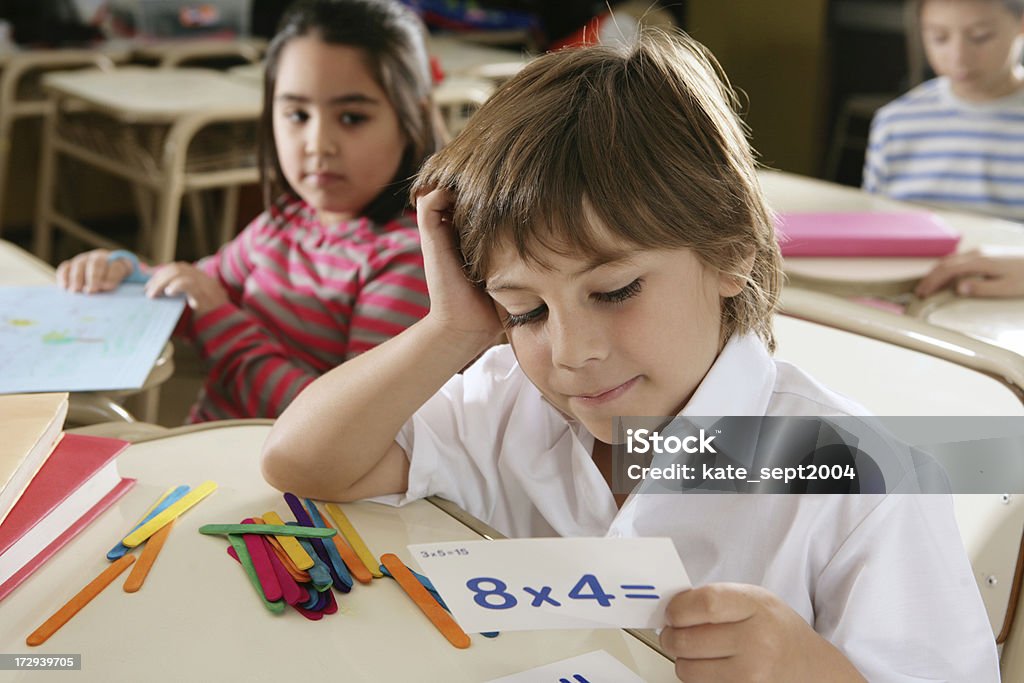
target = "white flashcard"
x: 554, y: 583
x: 593, y: 667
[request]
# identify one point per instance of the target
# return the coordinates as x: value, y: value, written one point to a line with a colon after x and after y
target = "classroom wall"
x: 776, y: 53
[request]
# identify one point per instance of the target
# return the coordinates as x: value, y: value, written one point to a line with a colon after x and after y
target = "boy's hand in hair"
x: 202, y: 292
x: 92, y: 272
x: 975, y: 274
x: 455, y: 302
x: 739, y: 632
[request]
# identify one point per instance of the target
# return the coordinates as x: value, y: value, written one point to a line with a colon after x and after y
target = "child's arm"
x: 740, y: 632
x: 337, y: 439
x: 93, y: 271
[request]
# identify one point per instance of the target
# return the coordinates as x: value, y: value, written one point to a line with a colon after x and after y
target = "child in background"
x: 603, y: 209
x: 333, y: 267
x: 957, y: 141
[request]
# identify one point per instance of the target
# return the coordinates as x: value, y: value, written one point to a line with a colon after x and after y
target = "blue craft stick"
x: 340, y: 570
x: 318, y: 574
x: 172, y: 497
x: 317, y: 600
x: 426, y: 583
x: 318, y: 545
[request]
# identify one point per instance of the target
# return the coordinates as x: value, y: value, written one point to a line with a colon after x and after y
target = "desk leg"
x: 43, y: 233
x: 165, y: 226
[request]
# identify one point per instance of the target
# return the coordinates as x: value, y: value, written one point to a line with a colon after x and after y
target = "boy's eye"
x: 980, y: 38
x: 516, y: 319
x: 621, y: 294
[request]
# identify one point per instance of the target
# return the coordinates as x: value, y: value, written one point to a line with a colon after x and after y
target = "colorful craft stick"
x: 80, y: 600
x: 146, y: 559
x: 299, y: 557
x: 152, y: 526
x: 427, y: 604
x: 273, y: 529
x: 349, y: 557
x: 318, y: 546
x: 316, y: 600
x: 290, y: 590
x: 239, y: 551
x: 319, y: 575
x: 162, y: 503
x: 426, y: 583
x: 354, y: 539
x: 333, y: 554
x: 297, y: 574
x: 261, y: 565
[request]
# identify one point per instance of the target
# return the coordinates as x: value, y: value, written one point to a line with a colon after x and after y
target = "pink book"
x: 77, y: 483
x: 865, y: 233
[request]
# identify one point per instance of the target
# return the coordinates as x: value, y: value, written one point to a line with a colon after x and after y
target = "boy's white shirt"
x: 884, y: 578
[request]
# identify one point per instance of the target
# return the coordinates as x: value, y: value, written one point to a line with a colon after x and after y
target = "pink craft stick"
x: 332, y: 605
x: 289, y: 589
x: 261, y: 563
x: 309, y: 614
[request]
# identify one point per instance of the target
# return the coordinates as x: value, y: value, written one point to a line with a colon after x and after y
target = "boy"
x: 603, y: 210
x: 957, y: 140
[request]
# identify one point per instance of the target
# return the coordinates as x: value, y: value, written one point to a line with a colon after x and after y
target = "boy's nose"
x: 576, y: 340
x: 319, y: 140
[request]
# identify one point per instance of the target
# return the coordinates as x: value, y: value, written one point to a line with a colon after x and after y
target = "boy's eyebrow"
x: 351, y: 98
x: 500, y: 285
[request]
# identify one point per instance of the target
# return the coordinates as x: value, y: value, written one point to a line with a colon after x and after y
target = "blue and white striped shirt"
x: 932, y: 147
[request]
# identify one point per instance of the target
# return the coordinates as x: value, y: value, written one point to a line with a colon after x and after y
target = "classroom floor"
x: 179, y: 392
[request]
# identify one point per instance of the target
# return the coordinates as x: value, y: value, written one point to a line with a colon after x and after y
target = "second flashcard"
x: 554, y: 583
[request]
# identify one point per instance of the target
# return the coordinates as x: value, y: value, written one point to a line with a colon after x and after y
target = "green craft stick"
x: 238, y: 543
x: 267, y: 530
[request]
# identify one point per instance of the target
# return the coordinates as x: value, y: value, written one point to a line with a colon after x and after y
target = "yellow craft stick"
x: 291, y: 546
x: 80, y: 600
x: 354, y: 540
x: 152, y: 526
x: 141, y: 570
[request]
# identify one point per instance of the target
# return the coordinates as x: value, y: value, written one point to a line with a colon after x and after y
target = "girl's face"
x: 337, y: 136
x: 630, y: 337
x: 976, y: 44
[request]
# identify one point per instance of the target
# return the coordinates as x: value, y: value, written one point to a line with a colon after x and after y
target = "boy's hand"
x: 455, y: 303
x: 738, y: 632
x: 202, y: 292
x: 975, y: 274
x: 91, y: 272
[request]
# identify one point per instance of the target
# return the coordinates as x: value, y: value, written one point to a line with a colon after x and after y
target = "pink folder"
x: 865, y: 233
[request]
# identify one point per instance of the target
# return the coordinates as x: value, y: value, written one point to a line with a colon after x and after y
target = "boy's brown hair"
x: 642, y: 137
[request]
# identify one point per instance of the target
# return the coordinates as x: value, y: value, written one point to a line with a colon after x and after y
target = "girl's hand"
x: 975, y: 274
x: 455, y: 302
x: 91, y: 272
x: 202, y: 292
x: 738, y: 632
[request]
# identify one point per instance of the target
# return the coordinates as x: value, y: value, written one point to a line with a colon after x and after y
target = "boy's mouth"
x: 603, y: 396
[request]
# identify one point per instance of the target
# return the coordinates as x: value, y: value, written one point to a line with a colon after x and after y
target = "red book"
x: 866, y: 233
x: 76, y: 484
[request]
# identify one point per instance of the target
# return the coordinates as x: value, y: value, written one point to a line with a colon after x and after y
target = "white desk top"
x: 18, y: 267
x: 789, y: 192
x: 139, y: 94
x: 197, y: 617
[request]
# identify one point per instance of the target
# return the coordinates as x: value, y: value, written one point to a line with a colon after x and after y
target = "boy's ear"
x: 732, y: 283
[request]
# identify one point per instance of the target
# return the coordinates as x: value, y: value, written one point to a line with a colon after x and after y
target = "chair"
x: 860, y: 108
x: 918, y: 369
x: 458, y: 98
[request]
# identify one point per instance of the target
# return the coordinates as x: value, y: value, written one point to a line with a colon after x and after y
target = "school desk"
x: 168, y: 132
x: 21, y: 96
x: 20, y: 268
x: 198, y: 618
x: 870, y: 276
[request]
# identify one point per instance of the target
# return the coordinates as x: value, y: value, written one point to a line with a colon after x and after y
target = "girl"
x: 958, y: 140
x: 606, y: 209
x: 333, y: 266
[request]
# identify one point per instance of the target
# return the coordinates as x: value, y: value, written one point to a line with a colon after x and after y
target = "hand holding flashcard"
x: 555, y: 583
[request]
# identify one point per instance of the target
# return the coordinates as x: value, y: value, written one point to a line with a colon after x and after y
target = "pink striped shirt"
x: 304, y: 297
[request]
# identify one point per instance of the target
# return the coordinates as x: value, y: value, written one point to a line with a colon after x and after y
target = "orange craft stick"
x: 149, y: 552
x: 75, y: 604
x: 348, y: 556
x: 425, y: 601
